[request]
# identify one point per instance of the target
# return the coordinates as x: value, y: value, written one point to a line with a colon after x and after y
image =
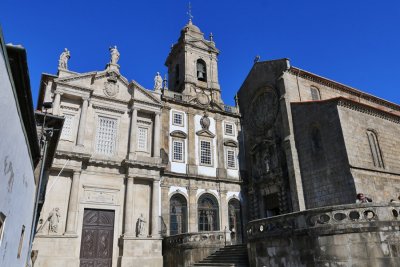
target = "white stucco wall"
x: 17, y: 185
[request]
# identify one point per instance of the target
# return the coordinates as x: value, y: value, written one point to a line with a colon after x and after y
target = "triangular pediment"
x: 203, y: 44
x: 205, y: 133
x: 143, y: 95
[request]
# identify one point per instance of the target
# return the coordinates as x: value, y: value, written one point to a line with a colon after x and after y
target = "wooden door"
x: 97, y: 238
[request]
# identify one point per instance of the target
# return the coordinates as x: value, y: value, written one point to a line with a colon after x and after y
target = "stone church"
x: 155, y: 177
x: 134, y: 165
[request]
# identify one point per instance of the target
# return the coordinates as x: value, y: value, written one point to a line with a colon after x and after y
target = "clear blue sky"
x: 353, y: 42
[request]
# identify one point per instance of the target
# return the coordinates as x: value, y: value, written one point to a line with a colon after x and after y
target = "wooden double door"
x: 97, y: 238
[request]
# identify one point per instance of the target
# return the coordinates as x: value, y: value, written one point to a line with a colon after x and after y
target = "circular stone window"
x: 339, y: 216
x: 354, y: 215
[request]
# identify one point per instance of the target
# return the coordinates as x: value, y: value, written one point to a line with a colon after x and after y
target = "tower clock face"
x: 263, y: 110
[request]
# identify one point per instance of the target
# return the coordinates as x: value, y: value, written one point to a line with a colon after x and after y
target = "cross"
x: 189, y: 13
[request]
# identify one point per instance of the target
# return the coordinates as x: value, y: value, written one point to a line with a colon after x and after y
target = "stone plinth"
x: 143, y: 252
x: 345, y: 235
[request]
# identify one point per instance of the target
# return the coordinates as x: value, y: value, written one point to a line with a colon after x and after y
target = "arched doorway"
x: 208, y: 213
x: 235, y: 220
x: 178, y: 215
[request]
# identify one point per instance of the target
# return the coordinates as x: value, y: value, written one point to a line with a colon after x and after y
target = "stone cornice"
x: 201, y: 177
x: 76, y: 76
x: 341, y: 87
x: 107, y: 99
x: 108, y: 108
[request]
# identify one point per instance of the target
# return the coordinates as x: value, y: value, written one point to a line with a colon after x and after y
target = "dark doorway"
x: 97, y: 238
x: 271, y: 205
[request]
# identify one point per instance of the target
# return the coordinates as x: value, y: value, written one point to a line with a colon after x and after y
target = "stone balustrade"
x: 186, y: 249
x: 346, y: 234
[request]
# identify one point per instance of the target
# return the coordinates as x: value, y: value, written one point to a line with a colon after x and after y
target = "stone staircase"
x: 233, y: 256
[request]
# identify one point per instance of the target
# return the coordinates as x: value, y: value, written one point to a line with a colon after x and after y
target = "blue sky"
x: 353, y: 42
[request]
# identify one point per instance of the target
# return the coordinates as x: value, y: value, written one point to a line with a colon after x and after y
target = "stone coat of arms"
x: 111, y: 88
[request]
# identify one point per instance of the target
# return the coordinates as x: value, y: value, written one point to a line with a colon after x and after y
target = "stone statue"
x: 114, y: 55
x: 141, y: 225
x: 63, y: 61
x: 158, y: 82
x: 54, y: 219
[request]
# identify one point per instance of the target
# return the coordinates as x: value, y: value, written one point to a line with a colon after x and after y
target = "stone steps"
x: 229, y: 256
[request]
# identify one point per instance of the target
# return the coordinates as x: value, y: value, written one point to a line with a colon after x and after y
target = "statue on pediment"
x: 63, y: 61
x: 158, y: 82
x: 114, y: 55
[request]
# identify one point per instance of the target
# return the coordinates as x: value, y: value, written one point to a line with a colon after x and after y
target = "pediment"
x: 203, y: 44
x: 205, y: 133
x: 230, y: 142
x: 141, y: 94
x: 178, y: 134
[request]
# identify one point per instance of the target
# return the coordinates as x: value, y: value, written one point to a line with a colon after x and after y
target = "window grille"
x: 178, y: 150
x: 67, y: 127
x: 230, y: 156
x: 177, y: 118
x: 142, y: 139
x: 208, y: 213
x: 106, y: 136
x: 205, y: 152
x: 229, y: 128
x: 178, y: 215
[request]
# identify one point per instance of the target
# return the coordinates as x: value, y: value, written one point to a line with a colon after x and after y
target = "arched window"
x: 177, y: 215
x: 235, y: 221
x: 201, y: 70
x: 208, y: 213
x: 315, y: 93
x: 375, y: 149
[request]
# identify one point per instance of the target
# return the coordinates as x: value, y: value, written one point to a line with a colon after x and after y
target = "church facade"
x: 135, y: 165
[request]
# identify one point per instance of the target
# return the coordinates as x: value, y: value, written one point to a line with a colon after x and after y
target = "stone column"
x: 192, y: 168
x: 56, y: 103
x: 224, y: 210
x: 132, y: 143
x: 157, y: 132
x: 128, y: 223
x: 154, y: 209
x: 73, y: 204
x: 221, y: 169
x: 165, y: 205
x: 193, y: 225
x: 82, y: 122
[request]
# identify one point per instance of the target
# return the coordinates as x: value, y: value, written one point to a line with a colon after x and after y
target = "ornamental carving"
x: 263, y: 110
x: 111, y: 89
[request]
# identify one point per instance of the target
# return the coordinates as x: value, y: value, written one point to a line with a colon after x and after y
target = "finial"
x: 256, y: 59
x: 211, y: 37
x: 189, y: 13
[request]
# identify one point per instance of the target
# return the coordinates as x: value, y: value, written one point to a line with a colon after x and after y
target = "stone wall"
x: 185, y: 249
x: 322, y: 154
x: 346, y: 235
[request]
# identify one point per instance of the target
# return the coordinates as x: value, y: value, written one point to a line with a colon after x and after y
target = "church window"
x: 229, y: 128
x: 375, y: 149
x: 208, y: 213
x: 142, y: 138
x: 201, y: 70
x: 21, y: 241
x: 231, y: 159
x: 177, y: 215
x: 66, y: 132
x: 2, y: 221
x: 106, y: 136
x: 178, y: 147
x: 205, y: 153
x: 177, y: 118
x: 315, y: 93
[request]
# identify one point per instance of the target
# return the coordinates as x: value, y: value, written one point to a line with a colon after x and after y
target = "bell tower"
x: 193, y: 64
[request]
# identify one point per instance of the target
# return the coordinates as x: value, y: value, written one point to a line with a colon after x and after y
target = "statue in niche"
x: 114, y: 55
x: 210, y: 220
x: 158, y: 82
x: 140, y: 226
x: 63, y: 61
x: 54, y: 219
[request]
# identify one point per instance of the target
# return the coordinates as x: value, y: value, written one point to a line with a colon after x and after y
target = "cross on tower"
x: 189, y: 13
